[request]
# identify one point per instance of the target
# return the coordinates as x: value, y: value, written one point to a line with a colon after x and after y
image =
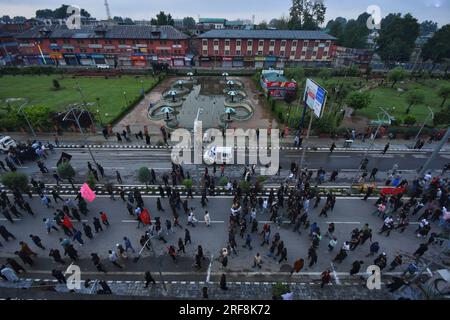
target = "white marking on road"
x: 381, y: 155
x: 335, y: 274
x: 420, y: 156
x: 343, y: 222
x: 340, y: 156
x: 209, y: 268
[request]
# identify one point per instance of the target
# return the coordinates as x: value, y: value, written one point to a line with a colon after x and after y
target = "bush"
x: 91, y: 180
x: 278, y: 289
x: 66, y: 171
x: 187, y: 183
x: 442, y: 117
x: 358, y: 100
x: 144, y: 175
x: 245, y: 186
x: 410, y: 120
x: 223, y: 181
x: 15, y: 180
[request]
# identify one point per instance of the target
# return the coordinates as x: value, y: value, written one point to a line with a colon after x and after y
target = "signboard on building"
x: 315, y: 97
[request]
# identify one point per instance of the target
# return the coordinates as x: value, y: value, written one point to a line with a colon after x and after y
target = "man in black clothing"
x: 148, y: 279
x: 59, y: 276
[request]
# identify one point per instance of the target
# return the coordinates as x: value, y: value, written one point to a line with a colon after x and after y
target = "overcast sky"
x: 437, y: 10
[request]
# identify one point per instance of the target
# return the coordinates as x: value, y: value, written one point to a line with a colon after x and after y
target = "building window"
x: 314, y: 53
x: 249, y: 43
x: 238, y: 43
x: 325, y: 53
x: 249, y: 52
x: 216, y: 42
x: 66, y: 41
x: 270, y: 53
x: 305, y: 43
x: 316, y: 43
x: 272, y: 43
x: 122, y: 41
x: 227, y: 52
x: 294, y: 43
x: 283, y: 43
x: 238, y: 52
x: 292, y: 53
x: 227, y: 43
x: 82, y: 50
x: 261, y: 43
x: 216, y: 52
x: 205, y: 42
x: 303, y: 53
x: 205, y: 52
x: 259, y: 53
x: 79, y: 41
x: 281, y: 53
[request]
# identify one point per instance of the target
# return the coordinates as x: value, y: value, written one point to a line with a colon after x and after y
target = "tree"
x: 414, y: 97
x: 336, y: 28
x: 324, y: 73
x: 144, y: 175
x: 91, y: 180
x: 189, y: 23
x: 44, y: 14
x: 162, y: 19
x: 306, y: 15
x: 6, y: 19
x: 15, y: 180
x: 66, y: 171
x: 40, y: 115
x: 355, y: 32
x: 437, y: 48
x: 395, y: 75
x: 444, y: 93
x: 128, y: 21
x: 187, y: 183
x: 58, y: 13
x: 280, y: 24
x: 427, y: 27
x: 118, y: 19
x: 358, y: 100
x: 397, y: 37
x: 262, y: 25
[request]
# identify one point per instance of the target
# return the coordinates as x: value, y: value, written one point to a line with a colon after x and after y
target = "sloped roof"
x: 111, y: 32
x: 268, y: 34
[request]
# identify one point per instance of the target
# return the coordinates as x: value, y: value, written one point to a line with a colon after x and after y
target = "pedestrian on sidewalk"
x: 147, y: 138
x: 325, y: 277
x: 158, y: 205
x: 298, y: 266
x: 148, y: 279
x: 248, y: 242
x: 333, y: 146
x: 312, y: 256
x: 59, y: 276
x: 207, y: 219
x: 373, y: 174
x: 37, y: 241
x: 386, y: 147
x: 173, y: 253
x: 223, y: 282
x: 96, y: 261
x: 87, y: 231
x: 118, y: 177
x: 105, y: 133
x: 128, y: 245
x: 100, y: 169
x: 257, y: 261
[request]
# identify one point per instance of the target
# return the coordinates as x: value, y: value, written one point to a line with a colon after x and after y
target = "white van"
x: 6, y: 143
x: 218, y: 155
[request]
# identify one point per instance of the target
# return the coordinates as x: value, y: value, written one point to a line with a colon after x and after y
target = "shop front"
x: 227, y: 62
x: 138, y: 61
x: 69, y: 60
x: 270, y: 62
x: 151, y: 59
x: 85, y: 60
x: 178, y: 61
x: 165, y: 60
x: 249, y: 62
x: 31, y: 60
x: 238, y: 62
x: 125, y: 61
x: 205, y: 62
x: 111, y: 60
x: 58, y: 59
x: 99, y: 58
x: 259, y: 62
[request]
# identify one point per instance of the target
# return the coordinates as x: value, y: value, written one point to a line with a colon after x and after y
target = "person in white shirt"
x: 207, y: 219
x: 113, y: 258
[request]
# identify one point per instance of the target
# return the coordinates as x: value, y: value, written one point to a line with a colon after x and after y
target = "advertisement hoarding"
x: 314, y: 97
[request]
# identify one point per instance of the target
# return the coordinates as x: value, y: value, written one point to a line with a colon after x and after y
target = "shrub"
x: 15, y: 180
x: 66, y: 171
x: 144, y: 175
x: 91, y: 180
x: 245, y: 186
x: 278, y: 289
x: 358, y: 100
x: 223, y: 181
x: 410, y: 120
x: 187, y: 183
x: 442, y: 117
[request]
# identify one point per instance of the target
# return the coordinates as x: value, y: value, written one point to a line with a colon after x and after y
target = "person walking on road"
x: 128, y: 245
x: 223, y: 282
x: 6, y: 234
x: 325, y: 277
x: 187, y: 236
x: 173, y: 253
x: 96, y: 261
x: 97, y: 225
x: 37, y: 241
x: 257, y: 261
x: 55, y: 254
x: 181, y: 246
x: 356, y: 266
x: 113, y: 259
x: 421, y: 250
x: 148, y: 279
x: 118, y: 177
x: 386, y: 147
x: 298, y: 266
x: 15, y: 265
x: 312, y: 256
x: 77, y: 236
x: 248, y: 242
x: 59, y: 276
x: 104, y: 218
x: 207, y: 219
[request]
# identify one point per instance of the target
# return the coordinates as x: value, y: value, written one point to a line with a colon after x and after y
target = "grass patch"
x: 40, y: 91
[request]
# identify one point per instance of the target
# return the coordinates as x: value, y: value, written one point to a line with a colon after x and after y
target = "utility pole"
x: 25, y: 116
x: 77, y: 121
x: 424, y: 123
x: 84, y: 102
x: 435, y: 152
x: 307, y: 137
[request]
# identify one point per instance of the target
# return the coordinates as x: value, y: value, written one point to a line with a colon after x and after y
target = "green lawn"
x: 396, y: 103
x: 39, y: 89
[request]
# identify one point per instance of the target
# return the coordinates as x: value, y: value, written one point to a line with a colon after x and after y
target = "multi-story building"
x: 265, y: 48
x: 116, y: 45
x: 352, y: 57
x: 9, y: 49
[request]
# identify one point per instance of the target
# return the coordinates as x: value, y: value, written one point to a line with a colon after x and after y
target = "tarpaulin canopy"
x: 392, y: 191
x: 87, y: 193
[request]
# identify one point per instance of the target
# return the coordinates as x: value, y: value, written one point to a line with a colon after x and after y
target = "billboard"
x: 315, y: 97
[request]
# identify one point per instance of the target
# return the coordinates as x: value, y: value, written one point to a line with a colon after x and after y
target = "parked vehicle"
x: 7, y: 143
x: 218, y: 155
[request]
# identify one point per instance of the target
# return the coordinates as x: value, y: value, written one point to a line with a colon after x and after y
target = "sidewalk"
x: 314, y: 142
x: 346, y: 290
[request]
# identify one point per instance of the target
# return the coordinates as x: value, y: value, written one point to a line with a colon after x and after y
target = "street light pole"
x: 99, y: 112
x: 126, y: 100
x: 84, y: 102
x: 435, y: 152
x: 25, y: 116
x: 424, y: 123
x: 76, y: 119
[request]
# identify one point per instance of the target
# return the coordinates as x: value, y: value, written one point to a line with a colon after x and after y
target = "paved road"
x: 348, y: 214
x: 129, y: 161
